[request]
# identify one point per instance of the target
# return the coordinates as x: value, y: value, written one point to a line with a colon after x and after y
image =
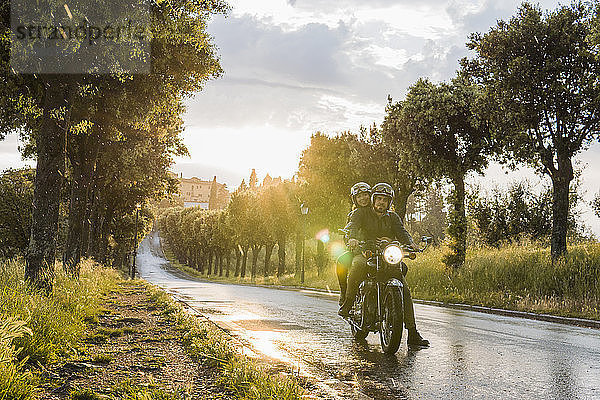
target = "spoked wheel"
x: 358, y: 317
x: 390, y: 333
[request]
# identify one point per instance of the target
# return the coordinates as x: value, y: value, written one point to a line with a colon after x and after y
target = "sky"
x: 296, y: 67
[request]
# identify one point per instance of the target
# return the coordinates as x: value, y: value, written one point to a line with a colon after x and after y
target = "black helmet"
x: 358, y: 188
x: 382, y: 189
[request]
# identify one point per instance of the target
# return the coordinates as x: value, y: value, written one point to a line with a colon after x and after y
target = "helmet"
x: 358, y: 188
x: 382, y: 189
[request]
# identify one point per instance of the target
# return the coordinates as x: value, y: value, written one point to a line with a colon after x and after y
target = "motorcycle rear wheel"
x: 392, y: 321
x: 357, y: 333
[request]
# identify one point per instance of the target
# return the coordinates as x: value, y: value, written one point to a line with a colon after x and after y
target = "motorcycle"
x: 379, y: 303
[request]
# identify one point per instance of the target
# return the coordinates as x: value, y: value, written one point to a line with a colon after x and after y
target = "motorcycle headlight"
x: 392, y: 254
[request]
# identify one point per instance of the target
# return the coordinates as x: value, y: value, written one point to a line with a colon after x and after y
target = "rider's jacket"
x: 365, y: 224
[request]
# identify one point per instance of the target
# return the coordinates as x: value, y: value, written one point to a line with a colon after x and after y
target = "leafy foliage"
x: 596, y: 204
x: 16, y: 195
x: 540, y: 76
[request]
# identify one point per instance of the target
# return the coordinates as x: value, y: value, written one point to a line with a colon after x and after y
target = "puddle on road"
x: 268, y: 325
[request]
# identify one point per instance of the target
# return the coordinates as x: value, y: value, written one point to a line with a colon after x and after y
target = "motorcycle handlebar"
x: 362, y: 243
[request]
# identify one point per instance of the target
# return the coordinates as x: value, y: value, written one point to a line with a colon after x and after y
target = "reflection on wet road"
x: 472, y: 355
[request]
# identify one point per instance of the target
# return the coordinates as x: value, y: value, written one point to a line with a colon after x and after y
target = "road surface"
x: 472, y: 355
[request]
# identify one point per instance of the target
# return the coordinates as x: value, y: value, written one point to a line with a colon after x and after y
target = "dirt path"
x: 132, y: 347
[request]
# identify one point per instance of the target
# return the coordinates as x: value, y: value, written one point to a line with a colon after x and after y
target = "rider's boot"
x: 415, y: 338
x: 344, y: 311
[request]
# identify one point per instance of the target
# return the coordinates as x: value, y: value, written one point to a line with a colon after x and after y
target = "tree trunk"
x: 82, y: 164
x: 202, y: 262
x: 268, y: 252
x: 220, y: 264
x: 281, y: 254
x: 105, y: 225
x: 244, y: 259
x: 210, y: 263
x: 255, y: 251
x: 95, y: 221
x: 321, y: 257
x: 457, y: 227
x: 405, y: 188
x: 50, y: 142
x: 561, y: 182
x: 238, y: 261
x: 228, y: 265
x: 298, y: 253
x: 401, y: 201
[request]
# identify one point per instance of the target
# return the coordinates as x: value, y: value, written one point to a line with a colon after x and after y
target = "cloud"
x: 287, y: 76
x: 267, y: 51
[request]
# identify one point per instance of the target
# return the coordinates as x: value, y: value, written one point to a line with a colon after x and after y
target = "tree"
x: 508, y: 215
x: 540, y: 76
x: 596, y: 204
x: 374, y: 158
x: 253, y: 179
x: 425, y: 213
x: 238, y: 210
x: 326, y: 176
x: 213, y: 199
x: 438, y: 128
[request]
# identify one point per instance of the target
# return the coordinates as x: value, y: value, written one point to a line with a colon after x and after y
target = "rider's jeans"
x: 358, y: 273
x: 341, y: 269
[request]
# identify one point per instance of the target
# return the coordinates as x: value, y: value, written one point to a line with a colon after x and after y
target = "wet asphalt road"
x: 472, y: 355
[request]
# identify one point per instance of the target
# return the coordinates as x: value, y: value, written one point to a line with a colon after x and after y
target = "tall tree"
x: 540, y: 74
x: 325, y: 176
x: 376, y: 158
x: 253, y: 180
x: 437, y: 127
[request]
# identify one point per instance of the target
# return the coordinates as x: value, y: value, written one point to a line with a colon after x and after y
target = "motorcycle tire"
x: 357, y: 333
x: 390, y: 333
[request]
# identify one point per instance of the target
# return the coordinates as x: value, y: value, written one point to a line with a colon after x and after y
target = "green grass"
x: 516, y: 277
x: 45, y: 327
x: 102, y: 358
x: 125, y: 391
x: 243, y: 377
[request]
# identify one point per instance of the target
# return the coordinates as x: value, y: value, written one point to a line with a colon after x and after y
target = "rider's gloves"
x: 352, y: 243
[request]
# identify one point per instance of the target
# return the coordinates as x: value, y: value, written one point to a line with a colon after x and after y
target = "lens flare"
x: 337, y: 248
x: 323, y: 235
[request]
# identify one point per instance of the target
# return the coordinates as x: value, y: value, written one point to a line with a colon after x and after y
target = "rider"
x: 376, y: 222
x: 360, y: 193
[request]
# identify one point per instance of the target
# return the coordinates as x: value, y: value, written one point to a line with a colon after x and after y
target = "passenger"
x: 361, y: 198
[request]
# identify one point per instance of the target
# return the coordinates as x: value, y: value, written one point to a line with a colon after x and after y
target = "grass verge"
x: 240, y: 375
x: 36, y: 329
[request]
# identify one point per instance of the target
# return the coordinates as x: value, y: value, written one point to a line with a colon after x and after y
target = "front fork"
x: 379, y: 305
x: 381, y: 288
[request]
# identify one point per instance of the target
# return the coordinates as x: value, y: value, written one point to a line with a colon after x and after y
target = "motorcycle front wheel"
x: 392, y: 320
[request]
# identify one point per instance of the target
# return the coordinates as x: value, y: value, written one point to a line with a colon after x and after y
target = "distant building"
x: 206, y: 194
